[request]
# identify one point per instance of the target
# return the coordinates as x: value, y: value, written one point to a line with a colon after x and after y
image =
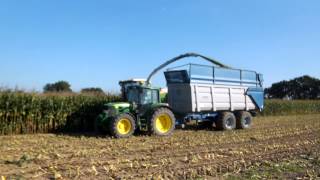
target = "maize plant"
x: 294, y: 107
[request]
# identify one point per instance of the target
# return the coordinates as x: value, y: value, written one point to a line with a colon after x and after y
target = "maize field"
x: 277, y: 147
x: 22, y: 113
x: 295, y: 107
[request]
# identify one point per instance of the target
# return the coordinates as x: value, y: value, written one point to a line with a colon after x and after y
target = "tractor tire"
x: 162, y: 122
x: 244, y: 120
x: 122, y: 126
x: 226, y: 121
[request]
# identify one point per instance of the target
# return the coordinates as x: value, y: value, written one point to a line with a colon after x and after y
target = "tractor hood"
x: 114, y: 109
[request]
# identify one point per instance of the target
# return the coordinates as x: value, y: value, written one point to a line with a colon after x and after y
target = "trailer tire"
x: 162, y: 122
x: 122, y: 126
x: 244, y: 120
x: 226, y: 121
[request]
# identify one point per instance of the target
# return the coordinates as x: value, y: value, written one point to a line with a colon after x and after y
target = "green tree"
x: 304, y: 87
x: 93, y: 90
x: 60, y: 86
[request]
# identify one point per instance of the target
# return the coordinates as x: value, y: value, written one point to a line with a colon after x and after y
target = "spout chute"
x: 186, y: 55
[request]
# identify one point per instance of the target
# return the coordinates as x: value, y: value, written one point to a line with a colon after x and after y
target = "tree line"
x: 304, y: 87
x: 65, y: 87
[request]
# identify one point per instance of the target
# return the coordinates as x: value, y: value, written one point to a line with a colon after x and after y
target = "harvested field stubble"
x: 184, y: 155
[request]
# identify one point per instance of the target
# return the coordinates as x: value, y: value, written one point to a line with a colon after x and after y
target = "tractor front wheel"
x: 162, y: 122
x: 122, y: 126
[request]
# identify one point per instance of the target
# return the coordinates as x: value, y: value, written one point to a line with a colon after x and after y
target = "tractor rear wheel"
x: 122, y: 126
x: 244, y: 120
x: 162, y: 122
x: 226, y: 121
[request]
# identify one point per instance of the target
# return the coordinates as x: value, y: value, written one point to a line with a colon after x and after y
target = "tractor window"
x: 133, y: 95
x: 149, y: 96
x: 155, y: 96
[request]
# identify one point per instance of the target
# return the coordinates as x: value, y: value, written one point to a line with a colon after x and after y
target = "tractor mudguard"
x: 150, y: 110
x: 112, y: 111
x: 257, y: 96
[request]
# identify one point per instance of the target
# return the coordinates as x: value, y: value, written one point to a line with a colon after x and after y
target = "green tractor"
x: 142, y: 110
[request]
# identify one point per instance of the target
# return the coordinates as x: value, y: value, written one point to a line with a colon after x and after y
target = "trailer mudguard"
x: 257, y: 96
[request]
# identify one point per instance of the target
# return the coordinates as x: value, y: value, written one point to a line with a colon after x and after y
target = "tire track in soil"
x: 226, y: 157
x: 221, y: 167
x: 271, y: 133
x: 177, y: 150
x: 287, y: 140
x: 240, y: 138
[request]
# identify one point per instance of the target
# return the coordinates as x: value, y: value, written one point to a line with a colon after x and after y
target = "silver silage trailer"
x: 204, y: 92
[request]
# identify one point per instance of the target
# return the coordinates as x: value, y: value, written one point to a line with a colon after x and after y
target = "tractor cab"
x: 136, y: 92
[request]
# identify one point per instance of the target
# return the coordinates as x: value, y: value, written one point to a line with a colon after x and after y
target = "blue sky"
x: 99, y: 42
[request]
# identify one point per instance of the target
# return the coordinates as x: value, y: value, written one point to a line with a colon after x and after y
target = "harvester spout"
x: 213, y: 61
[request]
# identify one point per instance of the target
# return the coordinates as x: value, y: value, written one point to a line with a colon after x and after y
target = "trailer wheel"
x: 162, y: 122
x: 226, y: 121
x: 122, y: 126
x: 244, y: 120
